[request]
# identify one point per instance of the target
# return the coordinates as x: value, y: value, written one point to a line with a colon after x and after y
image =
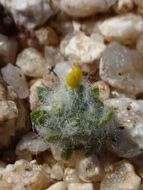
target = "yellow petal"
x: 73, y: 78
x: 71, y: 81
x: 77, y: 72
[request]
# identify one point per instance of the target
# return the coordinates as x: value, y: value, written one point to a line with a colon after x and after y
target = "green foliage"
x: 43, y: 92
x: 53, y: 138
x: 38, y: 117
x: 94, y: 92
x: 75, y: 117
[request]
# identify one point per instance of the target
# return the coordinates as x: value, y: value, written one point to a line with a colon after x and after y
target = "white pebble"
x: 125, y: 28
x: 70, y: 175
x: 122, y: 177
x: 80, y: 186
x: 32, y: 63
x: 30, y: 13
x: 57, y: 172
x: 128, y: 129
x: 89, y: 169
x: 31, y: 143
x: 15, y: 77
x: 122, y: 68
x: 81, y: 48
x: 79, y: 8
x: 58, y: 186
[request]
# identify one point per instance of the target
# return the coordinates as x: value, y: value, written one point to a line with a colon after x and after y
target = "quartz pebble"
x: 57, y: 172
x: 70, y: 175
x: 80, y: 186
x: 88, y: 8
x: 47, y: 40
x: 13, y: 115
x: 31, y: 143
x: 125, y: 28
x: 56, y: 151
x: 30, y: 13
x: 128, y: 128
x: 122, y: 177
x: 58, y: 186
x: 89, y: 169
x: 22, y: 175
x: 53, y: 55
x: 122, y: 68
x: 62, y: 23
x: 32, y: 63
x: 14, y: 77
x: 82, y: 49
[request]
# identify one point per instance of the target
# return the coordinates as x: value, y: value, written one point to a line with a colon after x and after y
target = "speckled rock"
x: 13, y: 116
x: 14, y: 77
x: 122, y: 177
x: 30, y: 13
x: 81, y: 48
x: 57, y: 172
x: 125, y: 28
x: 53, y: 55
x: 122, y: 68
x: 85, y: 8
x: 31, y: 144
x: 80, y: 186
x: 89, y: 169
x: 32, y: 63
x: 128, y: 132
x: 70, y: 175
x: 58, y: 186
x: 22, y: 175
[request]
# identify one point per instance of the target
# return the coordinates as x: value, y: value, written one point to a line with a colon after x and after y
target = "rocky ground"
x: 40, y: 40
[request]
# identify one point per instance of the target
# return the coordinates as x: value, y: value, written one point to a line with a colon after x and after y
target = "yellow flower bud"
x: 74, y: 78
x: 77, y: 72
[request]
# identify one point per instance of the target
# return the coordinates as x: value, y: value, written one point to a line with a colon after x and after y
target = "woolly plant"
x: 72, y: 116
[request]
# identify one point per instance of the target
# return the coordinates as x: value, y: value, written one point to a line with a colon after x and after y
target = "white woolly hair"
x: 69, y: 130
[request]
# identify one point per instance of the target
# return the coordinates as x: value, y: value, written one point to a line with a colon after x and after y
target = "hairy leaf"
x: 43, y: 92
x: 38, y: 117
